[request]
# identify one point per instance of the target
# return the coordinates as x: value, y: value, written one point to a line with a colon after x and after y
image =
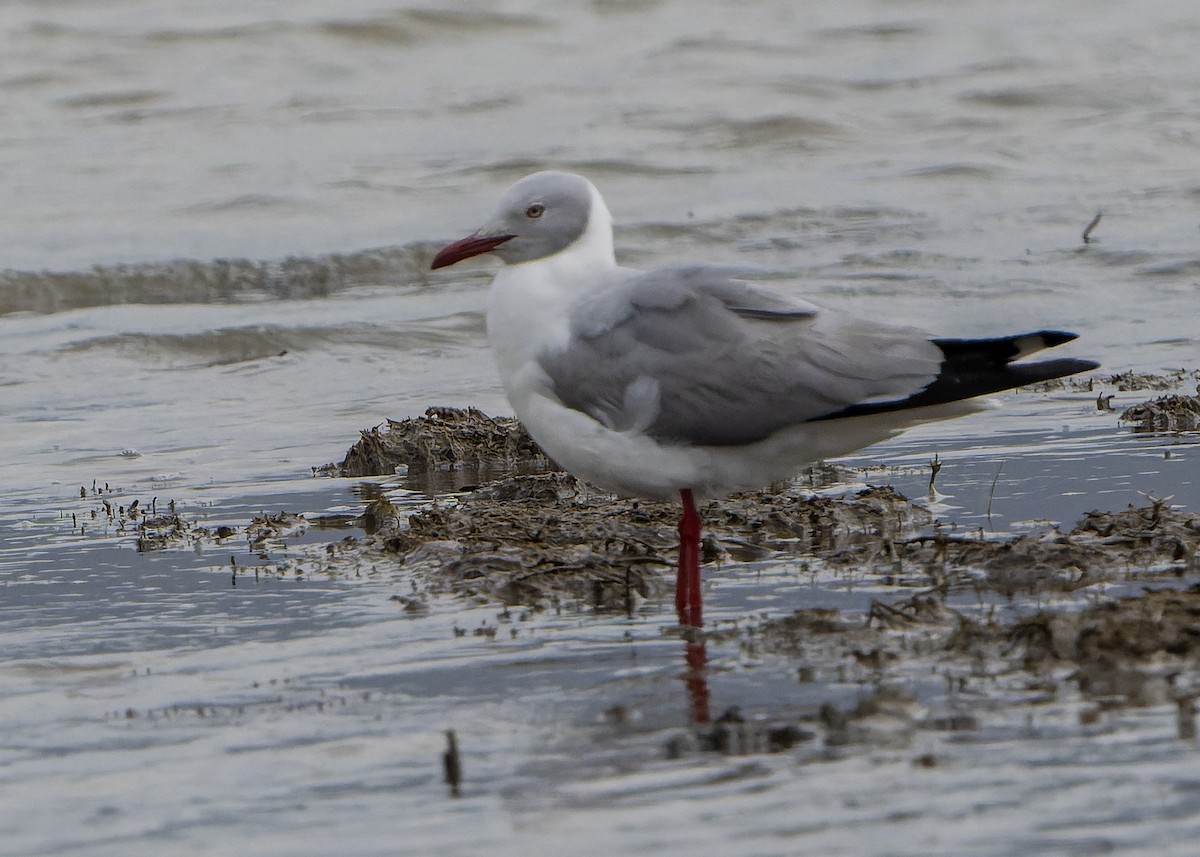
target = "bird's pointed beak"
x: 473, y: 245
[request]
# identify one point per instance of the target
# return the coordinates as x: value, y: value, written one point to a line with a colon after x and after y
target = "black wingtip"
x: 969, y: 379
x: 1048, y: 370
x: 1057, y: 337
x: 998, y: 352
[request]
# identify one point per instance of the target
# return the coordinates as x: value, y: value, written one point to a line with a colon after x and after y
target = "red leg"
x: 687, y: 583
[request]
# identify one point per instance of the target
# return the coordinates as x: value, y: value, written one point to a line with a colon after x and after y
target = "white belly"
x: 633, y: 465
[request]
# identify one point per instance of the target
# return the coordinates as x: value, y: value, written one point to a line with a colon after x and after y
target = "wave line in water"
x: 185, y: 281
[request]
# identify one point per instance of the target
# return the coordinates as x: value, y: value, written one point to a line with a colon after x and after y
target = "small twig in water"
x: 992, y: 493
x: 935, y: 464
x: 1087, y: 232
x: 452, y: 764
x: 1186, y: 717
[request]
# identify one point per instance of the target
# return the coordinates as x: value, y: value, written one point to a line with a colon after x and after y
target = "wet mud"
x: 1106, y: 611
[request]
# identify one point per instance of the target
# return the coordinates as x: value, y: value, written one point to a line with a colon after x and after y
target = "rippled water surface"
x: 215, y: 234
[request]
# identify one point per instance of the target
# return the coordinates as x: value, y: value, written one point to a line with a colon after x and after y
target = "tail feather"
x: 979, y: 367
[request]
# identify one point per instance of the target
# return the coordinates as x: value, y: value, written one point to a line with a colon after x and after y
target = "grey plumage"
x: 564, y: 202
x: 691, y: 355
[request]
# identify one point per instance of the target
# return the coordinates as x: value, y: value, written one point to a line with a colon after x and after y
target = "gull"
x: 687, y: 381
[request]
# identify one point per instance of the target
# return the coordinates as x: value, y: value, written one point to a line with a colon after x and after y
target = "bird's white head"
x: 541, y: 215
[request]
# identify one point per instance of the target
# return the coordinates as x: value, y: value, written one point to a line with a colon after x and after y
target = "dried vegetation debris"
x: 165, y: 526
x: 1177, y: 412
x: 538, y: 539
x: 534, y: 538
x: 528, y: 538
x: 110, y: 513
x: 1172, y: 379
x: 1132, y: 651
x: 269, y: 530
x: 1153, y: 533
x: 1123, y: 382
x: 1103, y: 546
x: 544, y: 539
x: 523, y: 537
x: 789, y: 521
x: 441, y: 439
x: 264, y: 533
x: 1139, y: 649
x: 1173, y: 413
x: 1143, y: 650
x: 164, y: 532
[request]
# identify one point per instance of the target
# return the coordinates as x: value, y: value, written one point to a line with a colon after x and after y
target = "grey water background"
x: 215, y: 234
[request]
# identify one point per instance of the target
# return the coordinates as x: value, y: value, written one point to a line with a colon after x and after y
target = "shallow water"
x: 932, y: 163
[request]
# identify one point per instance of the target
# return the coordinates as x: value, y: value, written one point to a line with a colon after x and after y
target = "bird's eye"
x: 535, y: 211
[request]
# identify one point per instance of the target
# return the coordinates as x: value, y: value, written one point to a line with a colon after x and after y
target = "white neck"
x: 596, y: 242
x: 528, y: 302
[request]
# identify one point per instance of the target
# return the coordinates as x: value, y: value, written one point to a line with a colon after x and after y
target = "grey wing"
x: 695, y: 356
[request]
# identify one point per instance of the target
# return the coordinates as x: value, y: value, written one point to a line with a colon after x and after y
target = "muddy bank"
x: 1102, y: 614
x: 516, y: 528
x: 532, y: 534
x: 1090, y: 619
x: 1046, y: 617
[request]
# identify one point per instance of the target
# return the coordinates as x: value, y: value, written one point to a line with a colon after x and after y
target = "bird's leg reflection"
x: 696, y: 678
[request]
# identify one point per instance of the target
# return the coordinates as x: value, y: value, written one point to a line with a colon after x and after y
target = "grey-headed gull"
x: 688, y: 381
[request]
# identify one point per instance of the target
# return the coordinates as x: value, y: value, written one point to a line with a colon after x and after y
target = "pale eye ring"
x: 535, y: 211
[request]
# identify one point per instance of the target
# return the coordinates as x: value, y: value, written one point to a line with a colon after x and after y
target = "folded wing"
x: 695, y: 356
